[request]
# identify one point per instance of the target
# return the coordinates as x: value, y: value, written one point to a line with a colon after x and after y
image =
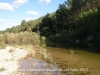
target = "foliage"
x: 21, y: 38
x: 74, y: 19
x: 43, y: 38
x: 2, y: 44
x: 47, y: 26
x: 88, y: 24
x: 23, y: 25
x: 1, y: 38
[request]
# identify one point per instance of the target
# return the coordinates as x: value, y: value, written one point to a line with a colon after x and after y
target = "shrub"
x: 43, y: 38
x: 1, y: 39
x: 12, y: 50
x: 22, y: 38
x: 2, y: 43
x: 2, y: 69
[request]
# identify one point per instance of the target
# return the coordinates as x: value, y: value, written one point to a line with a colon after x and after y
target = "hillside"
x: 73, y: 20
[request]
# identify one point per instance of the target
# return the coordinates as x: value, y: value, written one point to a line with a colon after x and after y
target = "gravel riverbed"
x: 9, y: 58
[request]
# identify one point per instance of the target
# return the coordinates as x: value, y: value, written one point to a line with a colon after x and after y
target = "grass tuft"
x: 11, y: 50
x: 2, y: 69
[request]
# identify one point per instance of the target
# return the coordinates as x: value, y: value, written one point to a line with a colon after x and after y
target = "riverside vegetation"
x: 19, y: 39
x: 19, y: 46
x: 23, y: 41
x: 73, y: 21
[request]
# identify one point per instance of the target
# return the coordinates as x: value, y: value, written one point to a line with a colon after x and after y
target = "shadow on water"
x: 91, y: 47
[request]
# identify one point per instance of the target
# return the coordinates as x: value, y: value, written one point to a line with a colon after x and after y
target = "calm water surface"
x: 87, y: 63
x: 68, y: 61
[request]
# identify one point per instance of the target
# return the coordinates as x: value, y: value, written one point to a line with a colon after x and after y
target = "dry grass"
x: 11, y: 50
x: 2, y: 44
x: 2, y: 69
x: 20, y: 38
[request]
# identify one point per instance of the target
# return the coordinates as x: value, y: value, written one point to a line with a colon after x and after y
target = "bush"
x: 1, y: 38
x: 2, y: 43
x: 43, y: 38
x: 22, y: 38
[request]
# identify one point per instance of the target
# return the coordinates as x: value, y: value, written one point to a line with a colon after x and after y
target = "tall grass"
x: 2, y: 43
x: 20, y: 38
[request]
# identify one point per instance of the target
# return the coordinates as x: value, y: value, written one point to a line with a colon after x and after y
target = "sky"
x: 12, y: 12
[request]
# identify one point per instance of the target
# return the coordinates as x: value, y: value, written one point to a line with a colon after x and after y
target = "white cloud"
x: 8, y: 23
x: 17, y: 3
x: 32, y: 13
x: 6, y: 20
x: 10, y: 7
x: 44, y: 1
x: 6, y: 7
x: 28, y: 19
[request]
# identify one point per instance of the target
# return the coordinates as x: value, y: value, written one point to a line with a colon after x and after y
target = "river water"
x: 63, y: 61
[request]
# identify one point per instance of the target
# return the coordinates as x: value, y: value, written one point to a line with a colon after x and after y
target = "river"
x: 63, y: 61
x: 83, y: 62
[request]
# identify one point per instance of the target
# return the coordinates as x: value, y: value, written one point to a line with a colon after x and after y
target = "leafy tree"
x: 23, y: 25
x: 46, y: 25
x: 62, y: 18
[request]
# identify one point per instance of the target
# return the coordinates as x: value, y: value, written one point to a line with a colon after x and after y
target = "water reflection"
x: 34, y: 66
x: 91, y: 47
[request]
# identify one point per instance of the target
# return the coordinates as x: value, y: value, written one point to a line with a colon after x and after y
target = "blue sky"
x: 12, y: 12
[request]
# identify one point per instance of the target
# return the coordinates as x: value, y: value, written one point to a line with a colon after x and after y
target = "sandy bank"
x: 9, y: 59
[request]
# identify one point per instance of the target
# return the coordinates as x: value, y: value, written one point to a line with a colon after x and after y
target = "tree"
x: 46, y: 26
x: 62, y: 18
x: 23, y: 25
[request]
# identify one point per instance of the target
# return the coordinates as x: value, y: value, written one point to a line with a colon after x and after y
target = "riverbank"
x: 13, y: 59
x: 9, y: 58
